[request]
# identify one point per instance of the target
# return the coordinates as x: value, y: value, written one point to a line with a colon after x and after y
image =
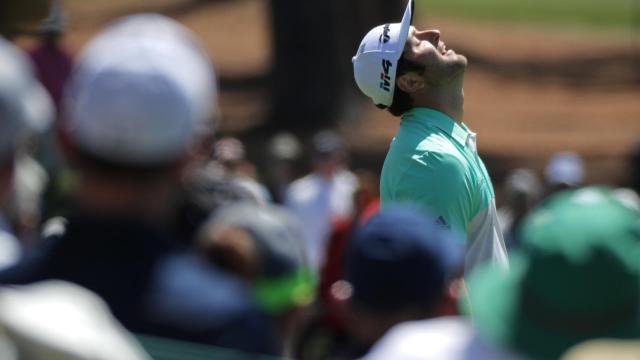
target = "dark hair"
x: 401, y: 100
x: 7, y: 159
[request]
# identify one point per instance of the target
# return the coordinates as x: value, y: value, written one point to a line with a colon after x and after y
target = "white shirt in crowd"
x: 318, y: 201
x: 10, y: 250
x: 444, y: 338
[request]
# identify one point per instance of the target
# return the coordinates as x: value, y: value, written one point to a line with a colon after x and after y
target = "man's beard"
x: 447, y: 72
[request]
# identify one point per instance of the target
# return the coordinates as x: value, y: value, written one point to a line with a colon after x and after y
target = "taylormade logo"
x: 384, y: 37
x: 385, y: 80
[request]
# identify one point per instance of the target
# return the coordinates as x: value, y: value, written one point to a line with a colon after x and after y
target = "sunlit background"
x: 544, y: 76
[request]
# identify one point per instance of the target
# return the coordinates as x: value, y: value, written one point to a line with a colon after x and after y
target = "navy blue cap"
x: 401, y: 257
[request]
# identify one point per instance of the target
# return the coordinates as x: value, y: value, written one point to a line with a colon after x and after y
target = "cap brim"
x: 407, y: 19
x: 403, y: 34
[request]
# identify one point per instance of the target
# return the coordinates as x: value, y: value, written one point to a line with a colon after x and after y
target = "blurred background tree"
x: 18, y: 15
x: 311, y: 83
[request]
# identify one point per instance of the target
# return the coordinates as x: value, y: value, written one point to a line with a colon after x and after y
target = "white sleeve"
x: 485, y: 241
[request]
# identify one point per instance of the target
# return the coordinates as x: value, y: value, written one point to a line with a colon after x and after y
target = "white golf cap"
x: 375, y: 64
x: 141, y: 92
x: 24, y: 103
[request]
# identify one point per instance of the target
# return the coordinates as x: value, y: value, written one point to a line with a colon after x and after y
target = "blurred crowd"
x: 130, y: 229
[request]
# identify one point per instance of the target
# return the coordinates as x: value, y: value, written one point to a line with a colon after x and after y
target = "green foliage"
x: 572, y: 13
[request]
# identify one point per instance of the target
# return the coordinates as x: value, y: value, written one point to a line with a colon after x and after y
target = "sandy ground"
x: 528, y: 92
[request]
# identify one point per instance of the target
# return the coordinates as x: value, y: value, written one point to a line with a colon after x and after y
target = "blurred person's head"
x: 55, y: 24
x: 283, y: 152
x: 400, y: 67
x: 283, y: 156
x: 140, y: 99
x: 284, y: 146
x: 24, y: 208
x: 564, y: 170
x: 576, y: 277
x: 228, y: 149
x: 329, y: 153
x: 202, y: 193
x: 399, y: 266
x: 263, y: 245
x: 522, y: 190
x: 25, y: 108
x: 230, y: 152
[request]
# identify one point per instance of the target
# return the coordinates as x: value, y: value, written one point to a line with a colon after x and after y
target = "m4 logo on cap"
x: 384, y: 37
x: 385, y: 80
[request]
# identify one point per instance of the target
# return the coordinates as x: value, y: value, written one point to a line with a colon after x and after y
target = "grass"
x: 602, y: 14
x: 598, y: 14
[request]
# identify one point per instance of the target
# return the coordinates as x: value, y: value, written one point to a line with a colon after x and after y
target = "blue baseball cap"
x: 401, y: 257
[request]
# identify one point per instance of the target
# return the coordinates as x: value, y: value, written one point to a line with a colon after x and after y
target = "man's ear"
x: 410, y: 82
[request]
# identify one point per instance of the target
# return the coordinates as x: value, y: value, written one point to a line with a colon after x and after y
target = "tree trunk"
x: 312, y: 76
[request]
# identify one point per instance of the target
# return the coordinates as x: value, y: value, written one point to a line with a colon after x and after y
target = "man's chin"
x: 457, y: 61
x: 462, y: 60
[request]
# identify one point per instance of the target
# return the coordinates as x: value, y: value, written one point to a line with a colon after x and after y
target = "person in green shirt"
x: 432, y: 161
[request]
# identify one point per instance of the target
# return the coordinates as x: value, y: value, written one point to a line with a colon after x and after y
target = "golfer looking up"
x: 432, y: 161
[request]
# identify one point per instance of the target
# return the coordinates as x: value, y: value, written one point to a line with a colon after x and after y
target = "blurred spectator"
x: 547, y: 303
x: 24, y: 107
x: 203, y: 191
x: 284, y: 151
x: 52, y: 66
x: 230, y: 153
x: 565, y: 170
x: 323, y: 197
x: 263, y: 245
x: 450, y: 338
x: 366, y: 203
x: 138, y: 103
x: 399, y: 267
x: 52, y: 62
x: 522, y: 191
x: 26, y: 201
x: 576, y: 278
x: 60, y: 320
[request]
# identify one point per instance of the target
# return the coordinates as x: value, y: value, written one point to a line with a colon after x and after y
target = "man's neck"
x: 152, y: 201
x: 448, y: 99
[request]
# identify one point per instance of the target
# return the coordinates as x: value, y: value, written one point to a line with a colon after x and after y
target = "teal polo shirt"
x: 433, y: 162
